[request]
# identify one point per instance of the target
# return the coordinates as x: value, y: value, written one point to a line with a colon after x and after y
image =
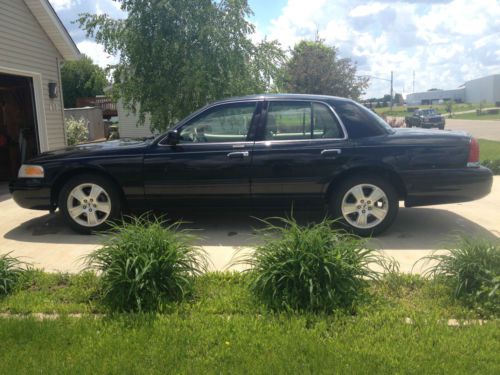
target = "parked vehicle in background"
x: 271, y: 150
x: 425, y: 118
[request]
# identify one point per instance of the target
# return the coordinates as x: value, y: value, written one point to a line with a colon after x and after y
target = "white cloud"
x: 96, y: 53
x: 366, y: 10
x: 61, y: 4
x: 445, y: 43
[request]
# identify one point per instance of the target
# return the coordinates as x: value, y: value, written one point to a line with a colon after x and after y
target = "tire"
x: 89, y: 202
x: 362, y: 220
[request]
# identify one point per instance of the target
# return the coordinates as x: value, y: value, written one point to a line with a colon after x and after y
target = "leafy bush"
x: 144, y: 263
x: 311, y: 267
x: 494, y: 165
x: 473, y: 267
x: 77, y: 131
x: 10, y: 271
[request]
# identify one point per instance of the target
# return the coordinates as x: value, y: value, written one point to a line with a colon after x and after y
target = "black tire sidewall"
x: 335, y: 203
x: 95, y: 179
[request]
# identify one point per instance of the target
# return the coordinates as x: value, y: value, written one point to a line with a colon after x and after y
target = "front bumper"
x: 428, y: 187
x: 31, y: 193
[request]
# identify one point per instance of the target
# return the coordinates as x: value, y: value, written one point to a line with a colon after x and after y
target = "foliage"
x: 315, y: 68
x: 81, y: 78
x: 145, y: 263
x: 311, y: 267
x: 224, y: 331
x: 494, y: 165
x: 175, y: 56
x: 398, y: 99
x: 77, y: 131
x: 10, y: 271
x: 473, y: 268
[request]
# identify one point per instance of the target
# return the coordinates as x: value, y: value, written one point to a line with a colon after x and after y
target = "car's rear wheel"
x: 365, y: 205
x: 89, y: 202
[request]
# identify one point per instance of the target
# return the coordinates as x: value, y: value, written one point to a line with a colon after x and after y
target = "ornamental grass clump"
x: 473, y: 268
x: 10, y: 271
x: 145, y: 263
x: 310, y: 268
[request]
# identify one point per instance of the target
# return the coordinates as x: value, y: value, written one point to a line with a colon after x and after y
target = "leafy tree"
x: 81, y: 78
x: 315, y: 68
x: 177, y: 55
x: 398, y: 99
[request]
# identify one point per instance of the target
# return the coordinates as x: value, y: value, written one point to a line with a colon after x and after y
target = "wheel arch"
x: 69, y: 174
x: 376, y: 171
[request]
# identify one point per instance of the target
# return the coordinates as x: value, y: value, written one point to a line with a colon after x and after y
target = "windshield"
x: 427, y: 112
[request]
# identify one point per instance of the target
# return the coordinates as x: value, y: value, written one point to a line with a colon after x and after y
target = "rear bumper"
x: 446, y: 186
x: 31, y: 193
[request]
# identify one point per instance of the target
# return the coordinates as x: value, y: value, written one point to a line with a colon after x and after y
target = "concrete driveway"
x: 483, y: 129
x: 45, y: 241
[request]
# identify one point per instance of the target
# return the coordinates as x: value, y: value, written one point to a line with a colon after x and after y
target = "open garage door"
x: 18, y: 129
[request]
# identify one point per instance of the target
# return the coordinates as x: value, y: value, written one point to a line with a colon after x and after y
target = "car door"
x: 301, y: 145
x: 210, y: 164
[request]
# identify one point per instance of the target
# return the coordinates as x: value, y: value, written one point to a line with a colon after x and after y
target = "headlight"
x: 31, y: 171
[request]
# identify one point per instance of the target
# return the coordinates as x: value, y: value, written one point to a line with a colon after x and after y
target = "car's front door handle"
x: 238, y: 154
x: 331, y: 152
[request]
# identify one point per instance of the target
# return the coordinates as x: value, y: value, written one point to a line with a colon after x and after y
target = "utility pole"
x: 413, y: 81
x: 392, y: 85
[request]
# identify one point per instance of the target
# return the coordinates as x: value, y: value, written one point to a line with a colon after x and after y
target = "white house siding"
x: 25, y: 47
x: 127, y: 124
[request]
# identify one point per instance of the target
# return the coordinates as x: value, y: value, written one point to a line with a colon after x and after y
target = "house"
x: 128, y: 123
x: 33, y: 46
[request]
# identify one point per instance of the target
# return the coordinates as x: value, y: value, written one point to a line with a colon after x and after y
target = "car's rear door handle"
x: 331, y: 152
x: 238, y: 154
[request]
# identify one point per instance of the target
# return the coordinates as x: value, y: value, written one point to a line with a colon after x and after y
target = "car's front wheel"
x: 365, y: 205
x: 89, y: 202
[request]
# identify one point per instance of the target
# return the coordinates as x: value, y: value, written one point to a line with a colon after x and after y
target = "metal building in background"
x: 485, y: 89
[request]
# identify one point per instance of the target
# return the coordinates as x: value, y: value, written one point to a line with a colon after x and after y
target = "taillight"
x: 473, y: 160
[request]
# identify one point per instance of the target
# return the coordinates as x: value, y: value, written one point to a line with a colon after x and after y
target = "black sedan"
x: 271, y: 150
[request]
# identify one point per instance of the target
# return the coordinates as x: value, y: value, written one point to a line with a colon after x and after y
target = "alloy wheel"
x: 89, y: 205
x: 364, y: 206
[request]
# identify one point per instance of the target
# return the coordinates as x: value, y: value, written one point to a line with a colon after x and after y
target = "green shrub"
x: 10, y: 271
x: 473, y: 268
x: 494, y: 165
x: 77, y: 131
x: 144, y: 263
x: 312, y: 268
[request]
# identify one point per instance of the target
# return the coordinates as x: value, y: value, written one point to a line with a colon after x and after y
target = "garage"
x: 33, y: 47
x: 18, y: 130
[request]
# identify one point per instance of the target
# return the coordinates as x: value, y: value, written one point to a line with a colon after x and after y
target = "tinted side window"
x: 358, y: 121
x: 325, y: 124
x: 288, y: 121
x: 228, y: 123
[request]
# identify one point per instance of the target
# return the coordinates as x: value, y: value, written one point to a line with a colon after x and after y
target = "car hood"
x: 92, y: 149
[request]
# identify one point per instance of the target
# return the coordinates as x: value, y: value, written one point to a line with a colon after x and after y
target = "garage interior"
x: 18, y: 132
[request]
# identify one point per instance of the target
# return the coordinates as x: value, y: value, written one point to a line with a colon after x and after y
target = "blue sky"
x: 445, y: 42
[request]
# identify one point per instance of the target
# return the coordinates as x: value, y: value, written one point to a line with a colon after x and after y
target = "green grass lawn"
x: 489, y: 150
x: 474, y: 116
x: 223, y: 329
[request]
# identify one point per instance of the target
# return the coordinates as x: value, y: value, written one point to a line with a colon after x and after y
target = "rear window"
x: 360, y: 121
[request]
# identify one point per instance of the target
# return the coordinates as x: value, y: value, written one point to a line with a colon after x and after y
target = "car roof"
x: 283, y: 96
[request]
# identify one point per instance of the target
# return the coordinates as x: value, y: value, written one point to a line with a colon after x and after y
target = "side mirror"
x: 173, y: 137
